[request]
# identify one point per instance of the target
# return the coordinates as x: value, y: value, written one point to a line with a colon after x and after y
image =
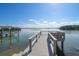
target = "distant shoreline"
x: 69, y: 27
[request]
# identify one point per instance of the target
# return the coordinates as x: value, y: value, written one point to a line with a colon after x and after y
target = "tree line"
x: 70, y: 27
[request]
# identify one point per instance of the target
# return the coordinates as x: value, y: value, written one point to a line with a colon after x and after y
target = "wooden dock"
x: 44, y: 44
x: 40, y: 48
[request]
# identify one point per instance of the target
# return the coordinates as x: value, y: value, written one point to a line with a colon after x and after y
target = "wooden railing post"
x: 39, y: 35
x: 48, y: 36
x: 62, y: 41
x: 30, y: 45
x: 36, y: 38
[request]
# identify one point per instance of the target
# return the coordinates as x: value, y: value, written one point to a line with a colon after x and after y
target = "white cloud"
x: 32, y: 20
x: 46, y: 23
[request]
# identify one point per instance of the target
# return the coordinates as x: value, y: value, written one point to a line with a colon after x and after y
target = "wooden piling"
x: 10, y: 38
x: 62, y: 45
x: 62, y: 41
x: 1, y: 35
x: 18, y: 34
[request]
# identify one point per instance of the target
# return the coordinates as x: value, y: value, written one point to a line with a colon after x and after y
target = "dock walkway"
x: 40, y: 48
x: 44, y: 44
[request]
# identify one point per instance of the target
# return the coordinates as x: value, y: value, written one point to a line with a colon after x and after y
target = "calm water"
x: 16, y: 44
x: 71, y: 43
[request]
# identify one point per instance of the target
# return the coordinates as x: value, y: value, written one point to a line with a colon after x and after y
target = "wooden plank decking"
x: 40, y: 48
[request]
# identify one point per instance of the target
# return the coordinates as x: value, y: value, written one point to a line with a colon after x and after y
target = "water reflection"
x: 71, y: 43
x: 19, y: 41
x: 16, y: 42
x: 7, y: 36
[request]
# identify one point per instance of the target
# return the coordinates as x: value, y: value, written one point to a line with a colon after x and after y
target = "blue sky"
x: 39, y: 15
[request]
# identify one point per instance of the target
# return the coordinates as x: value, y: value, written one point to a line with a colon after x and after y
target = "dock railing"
x: 60, y: 36
x: 32, y: 40
x: 53, y: 41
